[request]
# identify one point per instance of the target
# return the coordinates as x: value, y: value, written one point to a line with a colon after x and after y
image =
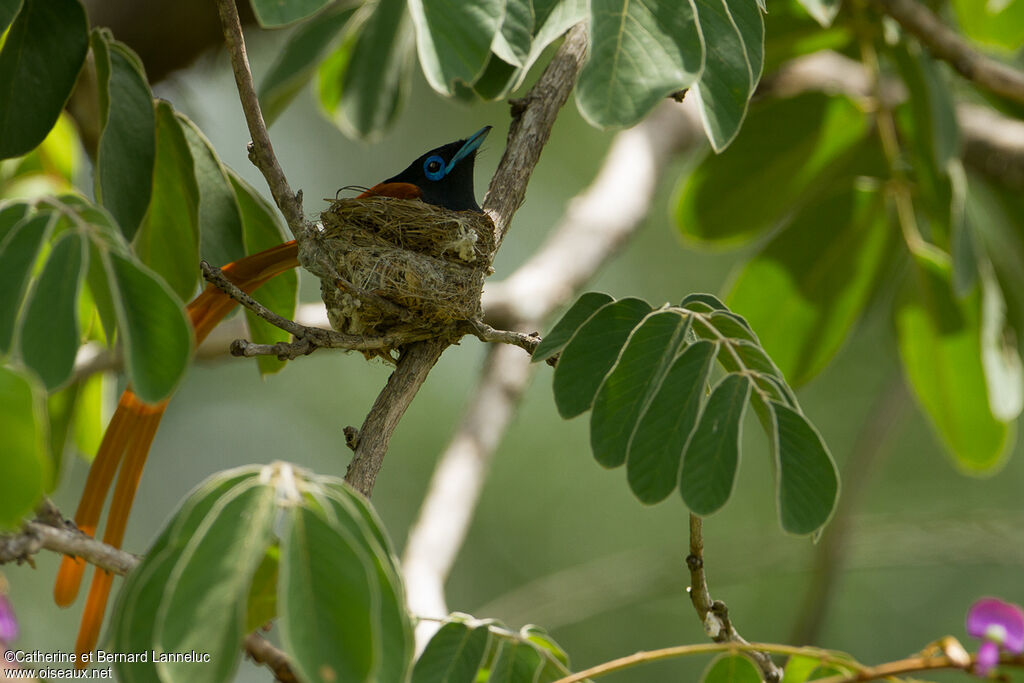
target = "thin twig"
x: 646, y: 657
x: 307, y: 339
x: 263, y: 652
x: 916, y: 664
x: 262, y: 152
x: 484, y: 332
x: 37, y: 535
x: 948, y: 46
x: 714, y: 615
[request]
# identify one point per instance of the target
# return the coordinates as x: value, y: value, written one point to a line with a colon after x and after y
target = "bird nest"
x: 400, y: 267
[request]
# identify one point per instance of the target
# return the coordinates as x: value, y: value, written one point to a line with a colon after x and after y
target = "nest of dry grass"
x: 396, y: 266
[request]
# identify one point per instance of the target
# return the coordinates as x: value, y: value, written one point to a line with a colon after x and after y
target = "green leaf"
x: 348, y: 509
x: 542, y: 639
x: 729, y: 76
x: 640, y: 52
x: 127, y: 147
x: 204, y: 604
x: 940, y: 346
x: 453, y: 655
x: 808, y: 482
x: 328, y: 592
x: 10, y: 215
x: 454, y: 39
x: 60, y: 410
x: 799, y: 668
x: 656, y: 449
x: 931, y: 103
x: 88, y: 419
x: 135, y: 612
x: 261, y: 604
x: 591, y: 354
x: 362, y: 83
x: 727, y: 668
x: 262, y: 230
x: 49, y: 332
x: 823, y: 11
x: 18, y: 254
x: 220, y: 223
x: 702, y: 303
x: 26, y: 467
x: 40, y: 60
x: 993, y: 24
x: 297, y: 61
x: 629, y: 387
x: 518, y: 662
x: 749, y: 19
x: 563, y: 331
x: 157, y: 336
x: 8, y: 11
x: 552, y: 18
x: 512, y: 42
x: 168, y: 239
x: 789, y: 151
x: 497, y: 81
x: 277, y: 13
x: 1000, y: 355
x: 803, y: 294
x: 713, y: 450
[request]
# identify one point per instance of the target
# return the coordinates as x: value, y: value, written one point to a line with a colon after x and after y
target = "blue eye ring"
x: 434, y: 167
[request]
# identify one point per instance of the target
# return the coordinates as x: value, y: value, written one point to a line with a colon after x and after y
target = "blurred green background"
x: 556, y: 540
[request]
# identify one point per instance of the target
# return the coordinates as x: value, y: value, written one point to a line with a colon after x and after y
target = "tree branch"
x: 950, y: 47
x: 529, y: 132
x: 261, y: 151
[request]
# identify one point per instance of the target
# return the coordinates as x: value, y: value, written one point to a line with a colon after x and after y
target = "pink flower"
x: 1000, y: 625
x: 8, y: 622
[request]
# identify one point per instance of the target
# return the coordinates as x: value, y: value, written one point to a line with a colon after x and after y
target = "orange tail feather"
x: 130, y: 435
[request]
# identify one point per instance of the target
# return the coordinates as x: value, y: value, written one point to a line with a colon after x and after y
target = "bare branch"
x: 38, y: 535
x: 262, y: 652
x: 261, y: 152
x: 950, y: 47
x: 486, y: 333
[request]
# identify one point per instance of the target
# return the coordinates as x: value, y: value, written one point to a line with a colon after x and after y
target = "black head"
x: 445, y: 174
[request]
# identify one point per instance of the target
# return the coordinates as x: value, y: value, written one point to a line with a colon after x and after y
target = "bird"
x: 442, y: 177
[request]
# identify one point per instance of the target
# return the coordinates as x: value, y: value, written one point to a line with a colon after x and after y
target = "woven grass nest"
x: 405, y: 267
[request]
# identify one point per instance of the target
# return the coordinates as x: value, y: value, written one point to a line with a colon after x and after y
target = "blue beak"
x: 468, y: 148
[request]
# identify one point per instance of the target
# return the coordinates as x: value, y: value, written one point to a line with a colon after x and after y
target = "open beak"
x: 468, y: 147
